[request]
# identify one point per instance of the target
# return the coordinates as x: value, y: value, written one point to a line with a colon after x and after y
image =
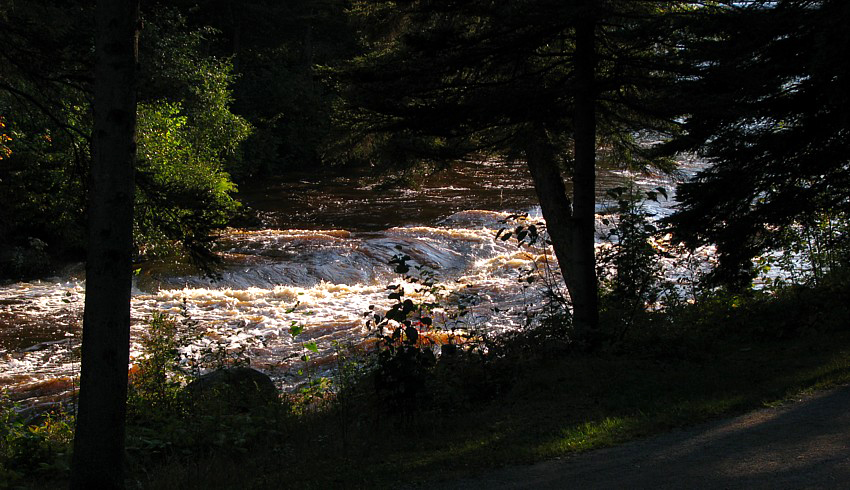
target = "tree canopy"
x: 476, y: 75
x: 188, y: 136
x: 767, y: 107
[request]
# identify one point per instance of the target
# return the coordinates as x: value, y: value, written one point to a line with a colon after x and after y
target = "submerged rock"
x: 239, y: 389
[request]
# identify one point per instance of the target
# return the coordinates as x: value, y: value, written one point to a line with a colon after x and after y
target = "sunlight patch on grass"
x: 591, y: 435
x: 611, y: 431
x: 454, y: 452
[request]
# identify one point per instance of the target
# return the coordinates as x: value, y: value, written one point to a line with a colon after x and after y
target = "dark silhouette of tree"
x: 768, y: 108
x: 98, y: 460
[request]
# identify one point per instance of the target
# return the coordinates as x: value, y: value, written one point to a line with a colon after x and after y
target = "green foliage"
x: 279, y: 51
x: 157, y: 379
x: 42, y: 191
x: 187, y: 139
x: 429, y: 356
x: 405, y: 357
x: 546, y: 326
x: 165, y: 421
x: 32, y: 448
x: 810, y: 251
x: 44, y: 98
x: 173, y: 355
x: 178, y: 71
x: 628, y: 267
x: 183, y: 192
x: 187, y: 134
x: 315, y: 389
x: 176, y: 352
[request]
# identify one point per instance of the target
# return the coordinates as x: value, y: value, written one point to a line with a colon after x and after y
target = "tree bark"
x: 572, y: 224
x: 98, y: 460
x: 552, y: 197
x: 582, y: 260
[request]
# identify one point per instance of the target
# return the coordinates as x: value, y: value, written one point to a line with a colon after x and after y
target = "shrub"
x: 156, y: 380
x: 39, y: 447
x: 628, y: 268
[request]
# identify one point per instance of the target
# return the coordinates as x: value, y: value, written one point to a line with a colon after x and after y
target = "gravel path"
x: 804, y: 444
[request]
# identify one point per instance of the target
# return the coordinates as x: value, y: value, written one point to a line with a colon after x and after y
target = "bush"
x: 38, y: 447
x: 628, y: 268
x: 156, y: 380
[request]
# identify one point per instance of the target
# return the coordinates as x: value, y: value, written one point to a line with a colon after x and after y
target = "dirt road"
x: 804, y: 444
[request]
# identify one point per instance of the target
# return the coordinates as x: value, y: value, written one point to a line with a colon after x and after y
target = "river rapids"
x: 320, y: 260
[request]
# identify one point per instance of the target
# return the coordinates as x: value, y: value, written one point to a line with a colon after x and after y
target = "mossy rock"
x: 240, y: 389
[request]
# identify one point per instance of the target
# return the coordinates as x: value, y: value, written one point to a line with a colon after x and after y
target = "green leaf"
x: 311, y: 346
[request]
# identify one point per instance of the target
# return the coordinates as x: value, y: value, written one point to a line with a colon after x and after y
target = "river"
x: 318, y: 260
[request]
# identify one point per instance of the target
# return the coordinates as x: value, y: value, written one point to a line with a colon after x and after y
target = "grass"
x: 557, y: 407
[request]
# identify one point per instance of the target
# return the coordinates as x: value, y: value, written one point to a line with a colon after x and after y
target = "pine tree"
x: 545, y: 80
x: 768, y: 109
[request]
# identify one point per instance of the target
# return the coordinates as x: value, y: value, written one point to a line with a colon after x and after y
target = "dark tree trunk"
x: 572, y: 224
x: 552, y: 196
x: 98, y: 460
x: 582, y: 260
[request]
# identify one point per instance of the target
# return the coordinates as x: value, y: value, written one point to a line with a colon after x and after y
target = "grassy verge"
x: 554, y: 408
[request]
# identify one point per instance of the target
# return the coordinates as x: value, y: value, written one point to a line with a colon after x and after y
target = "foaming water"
x: 325, y: 280
x: 321, y: 262
x: 40, y: 337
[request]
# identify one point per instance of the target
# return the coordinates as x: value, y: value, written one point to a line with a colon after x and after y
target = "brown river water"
x: 319, y: 260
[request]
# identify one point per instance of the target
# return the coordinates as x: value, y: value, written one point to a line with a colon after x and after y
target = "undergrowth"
x: 421, y: 409
x: 33, y: 445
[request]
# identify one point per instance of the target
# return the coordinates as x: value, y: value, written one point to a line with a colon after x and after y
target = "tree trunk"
x: 98, y: 460
x: 572, y: 224
x: 554, y: 203
x: 582, y: 259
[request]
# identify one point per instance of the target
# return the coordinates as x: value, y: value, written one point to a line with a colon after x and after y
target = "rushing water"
x: 320, y: 261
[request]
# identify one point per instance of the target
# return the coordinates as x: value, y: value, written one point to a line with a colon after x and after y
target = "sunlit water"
x: 319, y: 261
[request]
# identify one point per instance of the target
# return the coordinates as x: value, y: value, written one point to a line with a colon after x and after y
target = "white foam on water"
x: 325, y: 280
x: 334, y: 276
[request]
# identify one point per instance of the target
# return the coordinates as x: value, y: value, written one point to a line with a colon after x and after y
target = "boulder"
x: 239, y: 389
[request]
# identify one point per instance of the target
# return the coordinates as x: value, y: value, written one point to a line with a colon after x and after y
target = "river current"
x: 320, y: 259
